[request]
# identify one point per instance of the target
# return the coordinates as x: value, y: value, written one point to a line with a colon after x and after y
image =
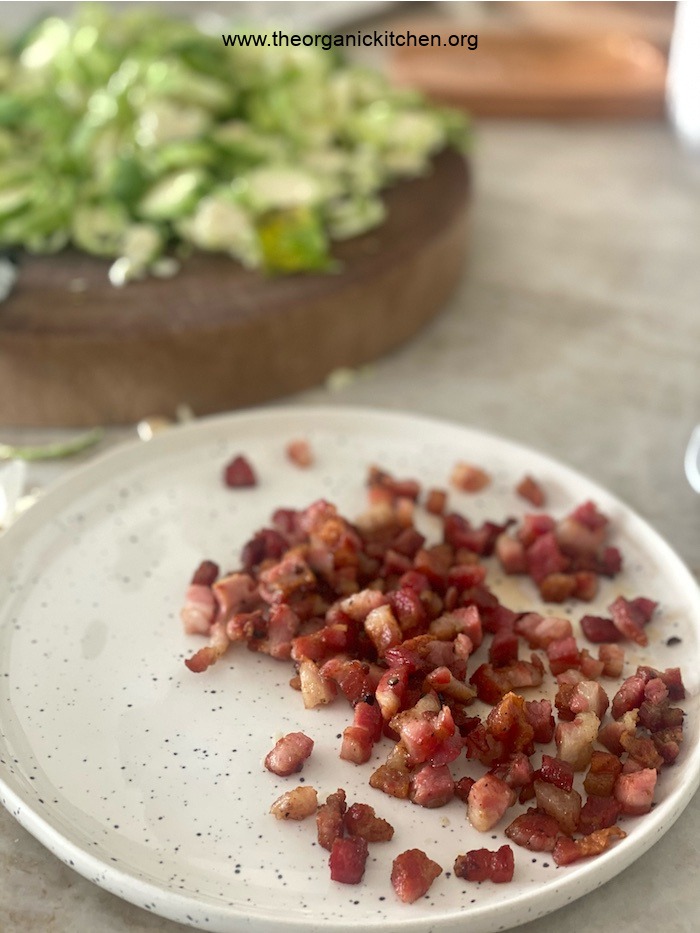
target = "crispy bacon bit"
x: 361, y: 820
x: 463, y: 787
x: 517, y: 772
x: 234, y: 593
x: 556, y: 771
x: 602, y: 774
x: 393, y: 777
x: 210, y: 654
x: 205, y: 574
x: 384, y: 487
x: 511, y: 553
x: 463, y: 536
x: 488, y: 800
x: 266, y: 544
x: 291, y: 576
x: 598, y: 813
x: 534, y: 526
x: 485, y: 865
x: 539, y: 631
x: 613, y: 658
x: 432, y: 787
x: 563, y: 654
x: 316, y: 690
x: 589, y: 697
x: 330, y: 821
x: 558, y: 587
x: 239, y: 474
x: 491, y: 684
x: 383, y: 629
x: 534, y: 831
x: 539, y: 714
x: 289, y: 754
x: 299, y: 453
x: 507, y: 723
x: 359, y: 738
x: 545, y: 558
x: 563, y: 805
x: 469, y: 478
x: 600, y: 629
x: 567, y: 851
x: 642, y: 750
x: 610, y: 734
x: 629, y: 696
x: 528, y: 488
x: 412, y: 874
x: 347, y: 861
x: 199, y: 609
x: 635, y: 791
x: 575, y: 739
x: 630, y: 617
x: 296, y: 804
x: 436, y: 501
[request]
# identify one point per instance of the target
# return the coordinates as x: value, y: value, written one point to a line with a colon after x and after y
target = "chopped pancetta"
x: 469, y: 478
x: 635, y: 791
x: 432, y: 786
x: 529, y: 489
x: 563, y: 805
x: 289, y: 754
x: 347, y: 860
x: 299, y: 453
x: 199, y: 609
x: 361, y: 820
x: 330, y: 822
x: 295, y: 804
x: 534, y: 830
x: 488, y: 800
x: 376, y: 616
x: 412, y: 874
x: 485, y: 865
x: 239, y: 474
x: 568, y: 850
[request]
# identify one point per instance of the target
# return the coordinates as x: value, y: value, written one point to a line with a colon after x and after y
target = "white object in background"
x: 12, y: 479
x: 683, y: 88
x: 692, y: 460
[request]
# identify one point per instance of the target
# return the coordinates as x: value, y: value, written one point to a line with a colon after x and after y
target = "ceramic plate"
x: 149, y: 779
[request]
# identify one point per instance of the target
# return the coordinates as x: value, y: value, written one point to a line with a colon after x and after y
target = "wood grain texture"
x: 538, y: 74
x: 217, y: 336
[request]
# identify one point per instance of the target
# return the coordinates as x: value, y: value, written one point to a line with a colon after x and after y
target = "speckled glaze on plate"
x: 149, y: 780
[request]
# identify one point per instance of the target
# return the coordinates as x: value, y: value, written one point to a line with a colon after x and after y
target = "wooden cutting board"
x: 216, y: 336
x: 549, y: 75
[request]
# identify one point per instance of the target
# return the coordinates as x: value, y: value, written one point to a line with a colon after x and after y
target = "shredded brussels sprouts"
x: 136, y: 138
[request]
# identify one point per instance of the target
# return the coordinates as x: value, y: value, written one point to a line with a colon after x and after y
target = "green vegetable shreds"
x: 136, y: 137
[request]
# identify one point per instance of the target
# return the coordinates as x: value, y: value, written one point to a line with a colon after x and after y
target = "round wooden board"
x: 74, y: 350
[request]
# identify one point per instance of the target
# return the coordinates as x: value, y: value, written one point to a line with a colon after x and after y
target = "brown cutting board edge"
x: 74, y: 351
x: 539, y: 75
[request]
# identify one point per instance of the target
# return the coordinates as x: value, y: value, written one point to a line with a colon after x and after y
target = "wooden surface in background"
x: 528, y: 72
x: 216, y: 336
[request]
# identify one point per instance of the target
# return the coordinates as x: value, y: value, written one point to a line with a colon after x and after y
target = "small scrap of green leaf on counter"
x: 57, y: 450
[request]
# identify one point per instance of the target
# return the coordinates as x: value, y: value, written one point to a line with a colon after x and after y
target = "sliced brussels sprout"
x: 277, y: 188
x: 220, y: 225
x: 127, y: 132
x: 173, y: 196
x: 293, y: 241
x: 99, y: 228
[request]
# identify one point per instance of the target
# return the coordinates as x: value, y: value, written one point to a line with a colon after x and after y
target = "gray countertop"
x: 576, y: 330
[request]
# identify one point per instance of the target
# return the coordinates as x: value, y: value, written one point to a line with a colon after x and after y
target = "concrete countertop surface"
x: 576, y: 330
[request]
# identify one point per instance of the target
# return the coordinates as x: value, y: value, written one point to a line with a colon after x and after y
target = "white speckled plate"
x: 148, y: 779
